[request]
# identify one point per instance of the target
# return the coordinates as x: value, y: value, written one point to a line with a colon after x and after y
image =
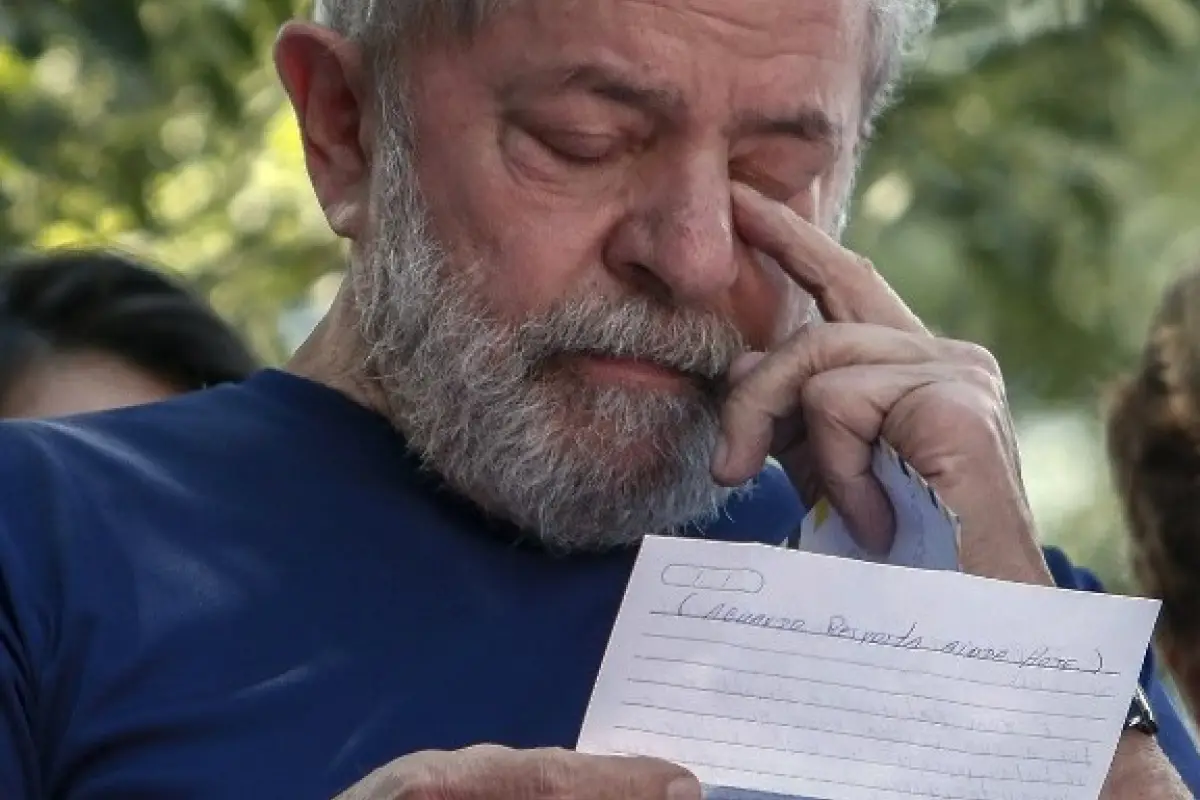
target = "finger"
x: 552, y: 774
x: 845, y: 285
x: 987, y: 374
x: 743, y: 365
x: 487, y: 771
x: 625, y: 778
x: 845, y: 411
x: 801, y: 470
x: 769, y: 392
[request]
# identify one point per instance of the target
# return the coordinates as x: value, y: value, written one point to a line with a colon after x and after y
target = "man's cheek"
x: 768, y: 305
x: 529, y: 265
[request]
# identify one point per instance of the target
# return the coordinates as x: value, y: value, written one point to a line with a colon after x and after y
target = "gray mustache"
x: 687, y: 341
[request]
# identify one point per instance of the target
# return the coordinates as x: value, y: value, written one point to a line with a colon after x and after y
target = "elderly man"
x: 586, y: 235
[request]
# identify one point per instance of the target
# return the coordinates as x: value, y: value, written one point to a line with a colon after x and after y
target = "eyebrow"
x: 805, y: 124
x: 601, y: 81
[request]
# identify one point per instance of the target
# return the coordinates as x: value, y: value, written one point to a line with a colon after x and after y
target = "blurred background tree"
x: 1034, y: 191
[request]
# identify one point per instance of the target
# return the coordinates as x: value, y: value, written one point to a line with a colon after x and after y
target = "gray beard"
x: 495, y: 410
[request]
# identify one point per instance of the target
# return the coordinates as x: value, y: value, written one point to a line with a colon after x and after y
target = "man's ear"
x: 324, y: 77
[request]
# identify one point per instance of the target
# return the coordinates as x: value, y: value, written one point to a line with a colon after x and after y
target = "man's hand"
x: 1140, y: 771
x: 489, y: 772
x: 871, y: 371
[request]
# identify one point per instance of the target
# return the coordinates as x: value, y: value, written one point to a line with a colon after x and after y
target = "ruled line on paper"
x: 856, y: 687
x: 876, y: 787
x: 874, y: 713
x: 797, y: 675
x: 1027, y: 756
x: 851, y: 759
x: 857, y: 663
x: 1032, y: 660
x: 847, y: 784
x: 922, y: 715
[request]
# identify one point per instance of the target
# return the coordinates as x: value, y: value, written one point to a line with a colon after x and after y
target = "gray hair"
x: 896, y: 27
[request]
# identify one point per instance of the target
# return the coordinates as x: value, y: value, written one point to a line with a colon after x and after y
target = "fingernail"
x: 684, y: 789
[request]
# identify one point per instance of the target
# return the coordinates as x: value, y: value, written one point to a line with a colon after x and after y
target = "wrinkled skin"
x: 696, y: 152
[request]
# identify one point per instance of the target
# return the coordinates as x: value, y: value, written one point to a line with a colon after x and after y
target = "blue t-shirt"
x: 255, y: 592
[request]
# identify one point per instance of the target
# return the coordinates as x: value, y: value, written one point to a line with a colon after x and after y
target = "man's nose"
x: 680, y: 235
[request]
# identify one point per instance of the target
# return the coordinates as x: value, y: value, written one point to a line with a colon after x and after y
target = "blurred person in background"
x: 85, y: 330
x: 585, y: 241
x: 1154, y: 449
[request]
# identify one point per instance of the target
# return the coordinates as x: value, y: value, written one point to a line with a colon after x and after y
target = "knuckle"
x: 991, y: 385
x: 757, y: 400
x: 452, y: 775
x: 820, y: 398
x: 419, y: 776
x: 863, y: 263
x: 980, y: 377
x: 979, y: 356
x: 803, y: 339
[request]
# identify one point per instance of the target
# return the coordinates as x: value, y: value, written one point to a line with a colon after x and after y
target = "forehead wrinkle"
x: 763, y: 19
x: 750, y: 28
x: 805, y: 123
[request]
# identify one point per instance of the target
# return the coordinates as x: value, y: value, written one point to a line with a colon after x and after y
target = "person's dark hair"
x: 82, y: 300
x: 1154, y: 449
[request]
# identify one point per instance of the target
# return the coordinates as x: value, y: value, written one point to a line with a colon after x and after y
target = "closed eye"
x: 782, y: 181
x: 578, y: 148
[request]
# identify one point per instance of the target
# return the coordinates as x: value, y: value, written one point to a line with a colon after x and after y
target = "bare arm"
x: 1140, y: 771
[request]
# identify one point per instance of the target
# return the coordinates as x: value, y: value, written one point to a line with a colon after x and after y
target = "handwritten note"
x: 927, y: 532
x: 769, y: 671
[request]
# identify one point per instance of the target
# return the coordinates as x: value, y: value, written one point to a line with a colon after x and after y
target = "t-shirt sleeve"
x: 28, y: 620
x: 19, y: 770
x: 1173, y: 735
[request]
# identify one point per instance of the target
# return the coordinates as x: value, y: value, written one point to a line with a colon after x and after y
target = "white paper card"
x: 927, y: 532
x: 781, y: 672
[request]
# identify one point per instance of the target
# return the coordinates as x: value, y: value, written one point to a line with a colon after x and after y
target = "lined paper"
x: 801, y: 675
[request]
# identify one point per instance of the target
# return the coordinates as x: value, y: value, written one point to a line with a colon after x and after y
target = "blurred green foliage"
x: 159, y: 125
x: 1034, y: 190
